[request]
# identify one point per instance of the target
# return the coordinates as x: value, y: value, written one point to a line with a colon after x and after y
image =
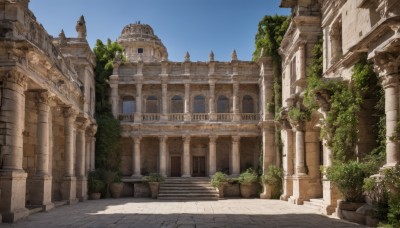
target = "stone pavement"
x: 130, y: 212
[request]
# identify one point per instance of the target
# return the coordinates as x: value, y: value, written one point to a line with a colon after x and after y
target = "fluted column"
x: 236, y: 115
x: 87, y: 153
x: 212, y: 166
x: 164, y: 111
x: 390, y: 85
x: 187, y: 102
x: 235, y: 156
x: 42, y: 158
x: 163, y: 155
x: 300, y: 166
x: 136, y: 157
x: 138, y: 114
x: 186, y: 156
x: 211, y: 102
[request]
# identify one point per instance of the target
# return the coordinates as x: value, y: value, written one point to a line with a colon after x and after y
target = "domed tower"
x: 140, y: 43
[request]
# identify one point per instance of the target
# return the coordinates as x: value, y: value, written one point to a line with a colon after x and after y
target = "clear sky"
x: 197, y: 26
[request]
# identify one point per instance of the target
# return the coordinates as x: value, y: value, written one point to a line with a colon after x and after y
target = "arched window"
x: 223, y: 104
x: 248, y: 104
x: 199, y: 105
x: 151, y: 104
x: 128, y: 105
x: 176, y: 104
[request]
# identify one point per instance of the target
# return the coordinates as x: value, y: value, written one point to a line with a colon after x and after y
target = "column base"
x: 13, y: 189
x: 40, y: 191
x: 81, y: 189
x: 287, y: 188
x: 305, y: 188
x: 186, y: 175
x: 330, y: 195
x: 68, y: 191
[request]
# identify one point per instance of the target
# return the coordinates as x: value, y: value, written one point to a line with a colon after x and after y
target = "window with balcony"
x: 223, y: 104
x: 128, y: 105
x: 199, y: 105
x: 176, y: 104
x: 248, y: 104
x: 152, y: 104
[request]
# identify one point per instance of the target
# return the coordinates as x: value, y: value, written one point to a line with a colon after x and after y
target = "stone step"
x: 184, y: 186
x: 316, y: 204
x: 188, y: 194
x: 188, y: 198
x: 186, y: 190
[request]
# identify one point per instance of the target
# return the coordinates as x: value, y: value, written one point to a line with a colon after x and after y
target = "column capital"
x: 235, y: 139
x: 163, y: 138
x: 136, y: 139
x: 186, y: 139
x: 16, y: 77
x: 386, y: 64
x: 82, y: 123
x: 92, y: 129
x: 70, y: 113
x: 213, y: 138
x: 43, y: 97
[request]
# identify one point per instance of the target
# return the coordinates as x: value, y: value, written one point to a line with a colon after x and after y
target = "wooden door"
x: 176, y: 166
x: 199, y: 166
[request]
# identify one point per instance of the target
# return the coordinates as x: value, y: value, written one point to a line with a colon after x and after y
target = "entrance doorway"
x: 176, y: 166
x: 199, y: 166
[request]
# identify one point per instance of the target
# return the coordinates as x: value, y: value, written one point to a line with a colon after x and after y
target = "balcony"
x: 178, y: 117
x: 194, y: 117
x: 224, y: 117
x: 200, y: 117
x: 153, y: 117
x: 250, y: 116
x: 127, y: 117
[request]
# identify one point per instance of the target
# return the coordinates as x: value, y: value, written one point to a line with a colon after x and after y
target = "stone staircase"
x: 316, y: 204
x: 193, y: 188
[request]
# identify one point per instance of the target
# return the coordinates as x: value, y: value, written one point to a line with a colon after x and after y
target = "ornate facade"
x: 185, y: 119
x: 46, y: 113
x: 349, y: 30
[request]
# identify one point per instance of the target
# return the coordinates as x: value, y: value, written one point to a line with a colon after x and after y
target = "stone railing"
x: 227, y: 117
x: 151, y: 117
x: 176, y: 117
x: 126, y: 117
x: 199, y: 117
x: 250, y: 116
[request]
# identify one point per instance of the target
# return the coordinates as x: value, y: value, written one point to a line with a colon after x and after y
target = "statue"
x: 81, y: 27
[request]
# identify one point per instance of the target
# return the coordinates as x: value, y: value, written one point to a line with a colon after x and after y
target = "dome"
x: 141, y: 43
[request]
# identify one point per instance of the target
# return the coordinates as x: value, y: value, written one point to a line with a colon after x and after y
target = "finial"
x: 63, y: 38
x: 234, y: 55
x: 81, y: 27
x: 187, y: 57
x: 211, y: 58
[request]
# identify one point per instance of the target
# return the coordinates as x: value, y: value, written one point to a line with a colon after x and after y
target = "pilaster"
x: 187, y: 103
x: 163, y: 155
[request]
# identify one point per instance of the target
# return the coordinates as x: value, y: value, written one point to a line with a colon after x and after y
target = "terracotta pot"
x: 246, y: 190
x: 116, y: 189
x: 154, y: 186
x: 220, y: 189
x: 94, y: 196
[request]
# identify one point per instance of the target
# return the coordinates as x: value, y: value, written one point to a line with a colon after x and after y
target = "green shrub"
x: 248, y: 177
x: 153, y: 177
x: 95, y: 184
x: 349, y: 179
x: 218, y: 178
x: 274, y: 176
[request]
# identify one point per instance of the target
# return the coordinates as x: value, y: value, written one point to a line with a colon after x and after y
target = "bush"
x: 349, y: 179
x: 95, y: 185
x: 248, y: 177
x: 217, y: 178
x: 273, y: 176
x: 153, y: 177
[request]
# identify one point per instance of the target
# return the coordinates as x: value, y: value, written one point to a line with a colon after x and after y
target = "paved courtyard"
x: 129, y: 212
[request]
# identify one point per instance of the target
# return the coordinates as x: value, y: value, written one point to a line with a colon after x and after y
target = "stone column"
x: 40, y: 189
x: 235, y: 156
x: 12, y: 121
x: 81, y: 182
x: 138, y: 114
x: 114, y: 100
x: 187, y: 102
x: 164, y: 111
x: 87, y: 154
x: 136, y: 157
x: 213, y: 116
x: 186, y: 156
x: 390, y: 85
x: 163, y: 155
x: 92, y: 141
x: 235, y: 107
x: 212, y: 165
x: 69, y: 183
x: 287, y: 135
x: 300, y: 166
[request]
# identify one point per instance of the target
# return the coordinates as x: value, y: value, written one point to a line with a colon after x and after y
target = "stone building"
x: 349, y: 29
x: 189, y: 119
x: 46, y: 113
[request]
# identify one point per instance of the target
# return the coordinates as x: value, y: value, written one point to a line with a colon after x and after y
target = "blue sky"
x: 197, y: 26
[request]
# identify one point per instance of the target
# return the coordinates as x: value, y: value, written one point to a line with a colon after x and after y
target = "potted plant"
x: 218, y: 181
x: 116, y: 186
x: 247, y: 182
x: 272, y: 183
x: 95, y: 186
x: 154, y: 180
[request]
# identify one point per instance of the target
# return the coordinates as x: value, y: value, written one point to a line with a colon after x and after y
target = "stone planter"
x: 94, y: 196
x: 348, y: 211
x: 154, y: 187
x: 116, y: 189
x: 220, y: 189
x: 246, y: 190
x: 267, y: 193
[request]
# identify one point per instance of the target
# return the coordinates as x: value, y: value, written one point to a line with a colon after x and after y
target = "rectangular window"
x: 140, y: 50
